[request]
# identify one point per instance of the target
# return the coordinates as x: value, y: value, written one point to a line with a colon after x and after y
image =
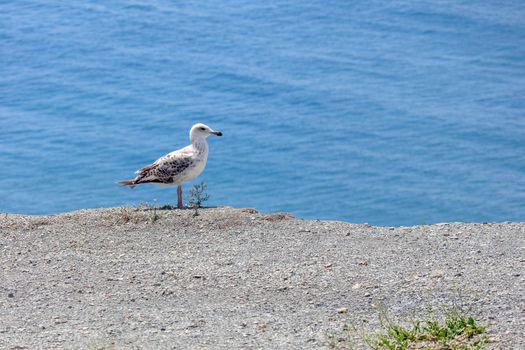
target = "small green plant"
x: 455, y: 331
x: 197, y: 196
x: 452, y: 330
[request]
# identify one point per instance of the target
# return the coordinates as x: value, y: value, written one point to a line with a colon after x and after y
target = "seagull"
x: 179, y: 166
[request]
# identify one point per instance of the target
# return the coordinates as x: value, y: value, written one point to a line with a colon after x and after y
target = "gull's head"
x: 201, y: 131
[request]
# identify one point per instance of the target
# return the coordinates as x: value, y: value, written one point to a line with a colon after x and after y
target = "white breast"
x: 200, y: 157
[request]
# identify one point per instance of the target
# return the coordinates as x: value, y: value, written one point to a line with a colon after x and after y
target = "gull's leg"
x: 179, y: 196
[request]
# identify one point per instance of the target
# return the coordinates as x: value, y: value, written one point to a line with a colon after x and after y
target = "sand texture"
x: 124, y: 278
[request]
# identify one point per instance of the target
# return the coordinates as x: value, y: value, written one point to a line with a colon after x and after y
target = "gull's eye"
x: 203, y: 129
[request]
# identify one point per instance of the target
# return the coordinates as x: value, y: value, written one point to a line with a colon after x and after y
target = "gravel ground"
x: 124, y: 278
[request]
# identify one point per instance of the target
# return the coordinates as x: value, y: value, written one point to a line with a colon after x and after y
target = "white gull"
x: 179, y: 166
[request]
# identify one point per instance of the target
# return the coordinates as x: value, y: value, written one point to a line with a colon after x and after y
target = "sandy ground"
x: 126, y: 278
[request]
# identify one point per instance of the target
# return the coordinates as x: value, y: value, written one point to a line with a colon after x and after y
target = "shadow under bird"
x: 179, y: 166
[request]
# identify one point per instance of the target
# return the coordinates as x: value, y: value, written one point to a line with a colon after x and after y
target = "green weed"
x: 197, y: 196
x: 450, y: 329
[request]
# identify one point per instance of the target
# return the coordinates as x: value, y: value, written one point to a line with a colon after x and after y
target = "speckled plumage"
x: 176, y: 167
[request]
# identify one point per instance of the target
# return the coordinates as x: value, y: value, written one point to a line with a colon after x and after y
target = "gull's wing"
x: 166, y: 167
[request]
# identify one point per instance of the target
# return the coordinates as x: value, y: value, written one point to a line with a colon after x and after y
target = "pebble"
x: 437, y: 274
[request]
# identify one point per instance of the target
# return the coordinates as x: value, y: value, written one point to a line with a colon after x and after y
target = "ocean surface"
x: 390, y: 113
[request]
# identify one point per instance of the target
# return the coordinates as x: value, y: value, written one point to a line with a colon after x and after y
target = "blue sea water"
x: 391, y: 113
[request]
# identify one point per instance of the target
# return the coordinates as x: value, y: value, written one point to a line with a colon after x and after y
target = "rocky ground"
x: 126, y: 278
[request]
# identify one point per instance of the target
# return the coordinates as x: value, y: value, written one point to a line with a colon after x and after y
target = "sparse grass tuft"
x: 154, y: 216
x: 143, y: 213
x: 452, y: 329
x: 126, y: 215
x: 197, y: 195
x: 455, y: 331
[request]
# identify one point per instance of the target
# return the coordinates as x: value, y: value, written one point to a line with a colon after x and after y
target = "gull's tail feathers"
x: 129, y: 183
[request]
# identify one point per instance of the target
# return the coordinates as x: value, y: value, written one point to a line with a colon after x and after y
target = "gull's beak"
x: 217, y: 133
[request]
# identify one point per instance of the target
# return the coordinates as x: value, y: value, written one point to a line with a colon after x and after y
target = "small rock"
x: 166, y: 292
x: 328, y: 265
x: 356, y: 286
x: 437, y: 274
x: 262, y: 325
x: 278, y: 217
x: 367, y: 294
x: 10, y: 295
x: 342, y: 310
